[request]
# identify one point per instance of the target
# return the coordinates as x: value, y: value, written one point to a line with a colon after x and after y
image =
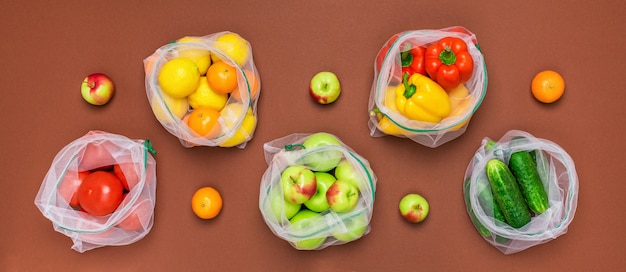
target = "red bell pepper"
x: 412, y: 58
x: 449, y: 63
x: 384, y: 50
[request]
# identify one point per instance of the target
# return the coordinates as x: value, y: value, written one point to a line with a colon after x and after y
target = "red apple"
x: 69, y: 186
x: 97, y: 89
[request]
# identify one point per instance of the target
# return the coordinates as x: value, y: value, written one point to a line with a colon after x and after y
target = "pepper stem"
x: 406, y: 57
x: 447, y: 57
x: 409, y: 89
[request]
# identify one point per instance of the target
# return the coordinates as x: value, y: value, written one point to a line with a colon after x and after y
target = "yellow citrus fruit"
x: 179, y: 77
x: 231, y: 114
x: 206, y: 202
x: 234, y: 46
x: 204, y: 96
x: 201, y: 57
x: 178, y: 107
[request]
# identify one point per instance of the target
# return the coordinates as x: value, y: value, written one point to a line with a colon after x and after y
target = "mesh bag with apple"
x: 556, y: 175
x: 427, y: 121
x: 316, y: 191
x: 100, y: 190
x: 204, y: 89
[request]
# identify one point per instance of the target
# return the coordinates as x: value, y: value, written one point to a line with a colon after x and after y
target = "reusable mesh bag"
x: 388, y: 75
x: 558, y: 176
x: 330, y: 228
x: 133, y: 218
x: 238, y: 119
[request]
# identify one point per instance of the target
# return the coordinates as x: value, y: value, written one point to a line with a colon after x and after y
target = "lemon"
x: 179, y: 77
x: 233, y: 46
x: 178, y: 107
x: 201, y: 57
x: 204, y: 96
x: 230, y: 115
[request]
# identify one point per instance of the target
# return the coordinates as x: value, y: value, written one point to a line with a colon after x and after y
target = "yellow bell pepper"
x: 384, y: 124
x: 420, y: 98
x: 460, y: 99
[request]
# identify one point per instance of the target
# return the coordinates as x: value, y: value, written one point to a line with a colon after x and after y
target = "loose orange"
x: 206, y: 203
x: 547, y: 86
x: 222, y: 77
x: 253, y: 82
x: 203, y: 121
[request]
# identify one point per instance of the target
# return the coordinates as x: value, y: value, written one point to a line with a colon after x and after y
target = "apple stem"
x: 291, y: 147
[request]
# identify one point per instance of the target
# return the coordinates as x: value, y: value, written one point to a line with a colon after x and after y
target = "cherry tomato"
x: 69, y: 187
x: 100, y: 193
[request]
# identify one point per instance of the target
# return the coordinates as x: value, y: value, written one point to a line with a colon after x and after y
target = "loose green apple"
x: 322, y: 161
x: 281, y: 207
x: 342, y: 196
x: 325, y: 87
x: 353, y: 228
x: 304, y: 220
x: 318, y: 202
x: 414, y: 208
x: 298, y: 183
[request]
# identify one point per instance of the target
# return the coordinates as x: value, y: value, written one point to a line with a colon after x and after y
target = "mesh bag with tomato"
x: 427, y: 85
x: 204, y: 90
x: 520, y: 191
x: 100, y: 190
x: 316, y: 191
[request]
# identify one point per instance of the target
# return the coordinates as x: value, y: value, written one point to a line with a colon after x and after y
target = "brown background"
x: 48, y: 47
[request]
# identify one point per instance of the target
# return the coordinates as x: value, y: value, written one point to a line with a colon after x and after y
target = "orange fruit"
x: 547, y: 86
x: 253, y: 83
x: 204, y: 122
x: 222, y: 77
x: 206, y: 203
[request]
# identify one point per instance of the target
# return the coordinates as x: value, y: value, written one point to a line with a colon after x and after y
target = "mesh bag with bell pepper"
x: 427, y: 85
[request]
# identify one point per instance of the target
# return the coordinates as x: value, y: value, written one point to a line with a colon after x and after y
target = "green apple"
x: 305, y: 220
x: 414, y: 208
x: 318, y: 202
x: 322, y: 161
x: 345, y: 171
x: 342, y: 196
x: 281, y: 207
x: 325, y: 87
x: 353, y: 228
x: 298, y: 183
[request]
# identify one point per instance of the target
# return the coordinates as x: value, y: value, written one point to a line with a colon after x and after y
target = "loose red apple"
x: 97, y: 89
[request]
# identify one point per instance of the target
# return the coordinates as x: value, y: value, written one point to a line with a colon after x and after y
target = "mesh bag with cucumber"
x: 520, y: 191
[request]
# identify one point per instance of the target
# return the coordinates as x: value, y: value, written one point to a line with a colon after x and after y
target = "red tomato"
x: 100, y: 193
x: 139, y: 217
x: 69, y: 187
x: 96, y: 157
x: 127, y: 174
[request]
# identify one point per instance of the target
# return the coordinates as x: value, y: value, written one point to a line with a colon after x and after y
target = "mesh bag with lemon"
x: 204, y: 90
x: 422, y: 116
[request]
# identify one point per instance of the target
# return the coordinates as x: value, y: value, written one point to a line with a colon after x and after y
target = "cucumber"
x: 468, y: 204
x: 486, y: 200
x: 524, y: 168
x: 507, y: 194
